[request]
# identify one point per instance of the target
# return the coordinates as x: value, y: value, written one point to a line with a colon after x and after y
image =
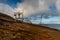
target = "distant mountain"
x: 55, y: 26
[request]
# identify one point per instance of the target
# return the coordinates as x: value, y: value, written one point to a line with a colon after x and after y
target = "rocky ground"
x: 15, y: 30
x: 25, y: 31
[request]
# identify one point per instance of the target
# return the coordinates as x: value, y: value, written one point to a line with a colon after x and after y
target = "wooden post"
x: 22, y: 17
x: 19, y: 15
x: 15, y: 15
x: 41, y: 19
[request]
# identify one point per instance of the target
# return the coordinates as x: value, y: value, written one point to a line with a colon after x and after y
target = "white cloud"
x: 6, y: 9
x: 31, y: 7
x: 58, y: 5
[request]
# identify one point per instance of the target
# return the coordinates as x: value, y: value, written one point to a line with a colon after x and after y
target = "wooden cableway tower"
x: 19, y: 16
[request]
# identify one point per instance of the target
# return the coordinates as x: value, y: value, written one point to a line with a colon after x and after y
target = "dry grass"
x: 12, y: 30
x: 25, y: 31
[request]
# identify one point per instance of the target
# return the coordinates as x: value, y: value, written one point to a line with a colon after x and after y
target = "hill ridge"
x: 13, y: 30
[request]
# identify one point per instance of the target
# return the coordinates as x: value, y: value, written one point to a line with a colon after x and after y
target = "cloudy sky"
x: 33, y: 9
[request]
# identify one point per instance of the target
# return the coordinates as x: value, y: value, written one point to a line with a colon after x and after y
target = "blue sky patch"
x: 12, y: 3
x: 53, y: 8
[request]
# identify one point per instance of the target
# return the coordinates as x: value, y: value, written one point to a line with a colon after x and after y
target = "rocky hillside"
x: 6, y: 17
x: 13, y: 30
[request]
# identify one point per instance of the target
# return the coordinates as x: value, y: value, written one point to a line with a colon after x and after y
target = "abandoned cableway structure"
x: 25, y: 31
